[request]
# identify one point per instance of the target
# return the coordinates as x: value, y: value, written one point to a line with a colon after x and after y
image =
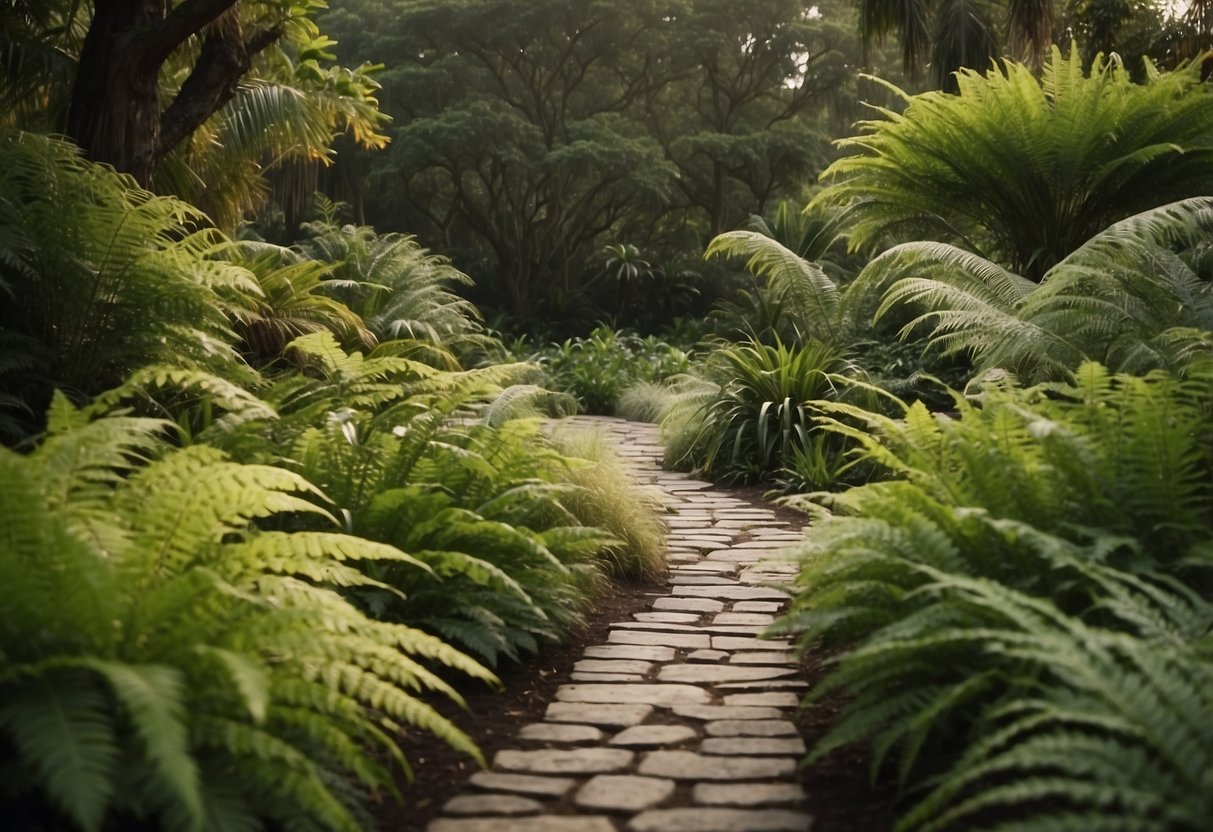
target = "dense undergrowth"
x: 259, y: 516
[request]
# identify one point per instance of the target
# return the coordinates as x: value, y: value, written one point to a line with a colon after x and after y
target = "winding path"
x: 680, y: 721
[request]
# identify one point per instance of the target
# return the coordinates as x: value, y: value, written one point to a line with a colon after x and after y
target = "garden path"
x: 680, y: 721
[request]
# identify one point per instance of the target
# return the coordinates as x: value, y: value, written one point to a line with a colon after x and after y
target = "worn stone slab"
x: 758, y: 606
x: 732, y: 630
x: 746, y: 794
x: 491, y: 804
x: 629, y: 651
x: 688, y: 765
x: 623, y: 793
x: 564, y: 760
x: 701, y: 580
x: 749, y: 643
x: 639, y: 694
x: 581, y: 676
x: 711, y: 566
x: 611, y: 716
x: 707, y: 656
x: 715, y: 713
x: 738, y: 555
x: 497, y: 781
x: 751, y: 728
x: 730, y: 593
x: 754, y: 746
x: 667, y: 617
x: 745, y: 618
x: 653, y: 736
x: 568, y: 733
x: 655, y: 627
x: 691, y: 641
x: 771, y: 700
x: 688, y: 604
x: 764, y: 657
x: 540, y: 823
x: 700, y: 674
x: 720, y: 820
x: 613, y: 666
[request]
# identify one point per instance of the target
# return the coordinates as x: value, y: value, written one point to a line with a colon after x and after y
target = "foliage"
x: 753, y: 415
x: 166, y: 659
x: 101, y: 276
x: 402, y: 291
x: 533, y: 133
x: 1021, y: 169
x: 1136, y: 296
x: 423, y: 460
x: 597, y: 369
x: 1025, y: 595
x: 607, y: 497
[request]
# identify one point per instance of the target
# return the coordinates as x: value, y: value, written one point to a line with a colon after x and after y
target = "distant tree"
x: 531, y: 133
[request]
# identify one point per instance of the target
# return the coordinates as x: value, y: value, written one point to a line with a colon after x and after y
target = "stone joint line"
x: 681, y: 720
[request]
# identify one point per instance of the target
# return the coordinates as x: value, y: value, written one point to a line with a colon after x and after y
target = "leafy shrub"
x: 167, y: 660
x: 100, y: 276
x: 1028, y: 598
x: 420, y: 459
x: 598, y: 368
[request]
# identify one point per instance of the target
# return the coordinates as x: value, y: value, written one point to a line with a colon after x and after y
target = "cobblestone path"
x: 679, y: 722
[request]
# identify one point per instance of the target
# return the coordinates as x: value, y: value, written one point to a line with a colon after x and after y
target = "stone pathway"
x: 680, y: 722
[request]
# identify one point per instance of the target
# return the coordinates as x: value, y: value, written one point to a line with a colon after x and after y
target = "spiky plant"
x: 1022, y: 168
x: 167, y: 661
x: 1135, y: 297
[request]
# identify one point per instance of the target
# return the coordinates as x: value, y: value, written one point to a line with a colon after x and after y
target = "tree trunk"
x: 116, y: 115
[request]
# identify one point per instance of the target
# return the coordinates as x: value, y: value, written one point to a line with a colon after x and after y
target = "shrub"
x: 166, y: 659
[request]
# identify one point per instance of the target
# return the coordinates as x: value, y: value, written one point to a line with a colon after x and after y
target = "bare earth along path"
x: 681, y: 720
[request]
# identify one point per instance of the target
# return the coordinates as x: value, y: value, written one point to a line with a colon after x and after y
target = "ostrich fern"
x: 165, y: 660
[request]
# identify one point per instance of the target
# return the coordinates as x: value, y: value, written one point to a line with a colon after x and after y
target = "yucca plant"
x: 166, y: 660
x: 758, y: 414
x: 1021, y: 168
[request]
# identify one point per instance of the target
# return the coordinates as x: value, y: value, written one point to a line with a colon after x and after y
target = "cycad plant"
x: 401, y: 290
x: 172, y: 655
x: 1137, y: 296
x: 1022, y: 169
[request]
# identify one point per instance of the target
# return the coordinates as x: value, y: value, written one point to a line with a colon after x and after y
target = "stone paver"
x: 491, y: 804
x: 720, y: 820
x: 562, y: 761
x: 497, y: 781
x: 569, y: 734
x: 746, y: 794
x: 679, y: 722
x: 624, y: 793
x: 598, y: 714
x: 653, y: 736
